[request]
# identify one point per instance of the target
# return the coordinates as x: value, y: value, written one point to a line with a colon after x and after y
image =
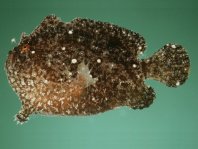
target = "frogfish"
x: 86, y: 67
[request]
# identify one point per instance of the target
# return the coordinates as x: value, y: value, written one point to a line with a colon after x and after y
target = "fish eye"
x: 25, y: 48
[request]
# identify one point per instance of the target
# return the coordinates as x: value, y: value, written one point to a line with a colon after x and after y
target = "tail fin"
x: 169, y: 65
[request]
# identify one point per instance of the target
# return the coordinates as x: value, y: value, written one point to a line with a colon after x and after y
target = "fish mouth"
x: 12, y: 58
x: 15, y: 56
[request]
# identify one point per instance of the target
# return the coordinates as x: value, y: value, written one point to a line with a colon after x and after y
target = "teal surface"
x: 171, y: 121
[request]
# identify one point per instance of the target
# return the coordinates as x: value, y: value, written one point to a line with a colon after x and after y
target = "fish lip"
x: 11, y: 58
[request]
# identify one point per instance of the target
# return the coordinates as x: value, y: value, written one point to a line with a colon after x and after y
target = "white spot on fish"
x: 33, y: 52
x: 70, y: 32
x: 173, y: 46
x: 73, y: 61
x: 63, y: 48
x: 98, y: 60
x: 134, y: 65
x: 140, y: 48
x: 177, y: 83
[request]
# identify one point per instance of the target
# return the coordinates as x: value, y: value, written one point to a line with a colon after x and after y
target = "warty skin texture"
x: 86, y: 67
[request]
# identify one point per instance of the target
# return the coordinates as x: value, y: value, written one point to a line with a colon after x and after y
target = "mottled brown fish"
x: 85, y: 67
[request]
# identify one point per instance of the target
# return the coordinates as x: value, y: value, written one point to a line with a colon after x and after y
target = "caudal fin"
x: 169, y: 65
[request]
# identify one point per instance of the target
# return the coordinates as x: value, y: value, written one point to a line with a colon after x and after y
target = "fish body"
x: 86, y: 67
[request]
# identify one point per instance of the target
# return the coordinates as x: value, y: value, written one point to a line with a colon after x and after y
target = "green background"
x: 171, y: 122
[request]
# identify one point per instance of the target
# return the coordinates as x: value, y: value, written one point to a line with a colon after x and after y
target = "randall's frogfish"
x: 85, y: 67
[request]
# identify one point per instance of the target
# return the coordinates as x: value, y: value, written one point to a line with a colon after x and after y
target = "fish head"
x: 18, y: 56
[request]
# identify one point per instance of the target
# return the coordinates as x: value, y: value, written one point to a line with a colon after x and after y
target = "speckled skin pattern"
x: 85, y: 67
